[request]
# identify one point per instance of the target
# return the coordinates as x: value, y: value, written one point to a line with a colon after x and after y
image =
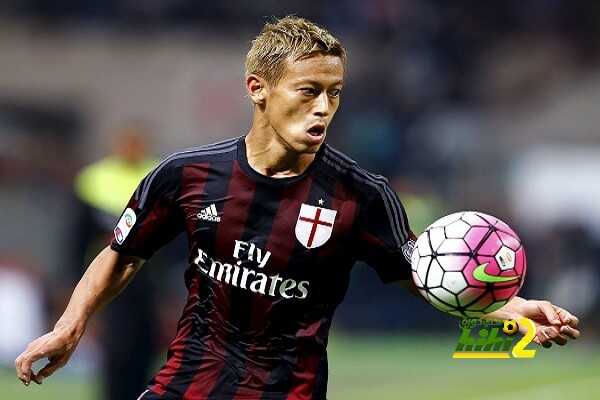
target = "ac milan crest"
x: 314, y: 226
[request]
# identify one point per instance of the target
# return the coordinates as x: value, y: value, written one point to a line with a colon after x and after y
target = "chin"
x: 313, y: 144
x: 302, y: 144
x: 307, y: 148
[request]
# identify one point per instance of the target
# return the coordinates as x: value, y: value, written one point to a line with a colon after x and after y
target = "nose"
x: 322, y: 105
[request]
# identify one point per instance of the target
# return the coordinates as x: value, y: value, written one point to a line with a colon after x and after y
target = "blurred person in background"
x: 102, y: 189
x: 261, y: 294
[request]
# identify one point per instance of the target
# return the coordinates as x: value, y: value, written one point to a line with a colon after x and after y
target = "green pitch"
x: 417, y: 368
x: 395, y: 368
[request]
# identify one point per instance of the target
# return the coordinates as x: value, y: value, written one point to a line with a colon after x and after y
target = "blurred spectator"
x: 129, y: 332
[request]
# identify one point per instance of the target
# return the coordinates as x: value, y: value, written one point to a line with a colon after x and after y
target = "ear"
x: 256, y: 88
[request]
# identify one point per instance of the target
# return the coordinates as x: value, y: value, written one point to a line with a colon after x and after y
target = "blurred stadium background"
x: 462, y: 104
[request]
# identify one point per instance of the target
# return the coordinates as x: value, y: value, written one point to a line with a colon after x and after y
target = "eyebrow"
x: 316, y: 83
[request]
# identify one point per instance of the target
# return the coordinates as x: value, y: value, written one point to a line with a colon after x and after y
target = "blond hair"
x: 291, y: 38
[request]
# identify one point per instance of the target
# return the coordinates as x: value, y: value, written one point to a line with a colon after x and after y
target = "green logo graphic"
x: 483, y: 339
x: 482, y: 276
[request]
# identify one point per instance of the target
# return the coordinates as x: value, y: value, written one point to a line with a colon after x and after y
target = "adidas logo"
x: 209, y: 214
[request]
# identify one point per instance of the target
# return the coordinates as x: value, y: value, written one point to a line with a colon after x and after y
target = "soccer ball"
x: 468, y: 264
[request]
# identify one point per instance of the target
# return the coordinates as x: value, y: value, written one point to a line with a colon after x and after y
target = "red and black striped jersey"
x: 269, y: 262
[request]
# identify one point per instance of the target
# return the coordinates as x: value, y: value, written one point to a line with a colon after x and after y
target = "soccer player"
x: 275, y: 220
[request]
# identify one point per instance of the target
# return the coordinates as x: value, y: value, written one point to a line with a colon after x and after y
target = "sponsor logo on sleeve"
x: 407, y: 249
x: 124, y: 226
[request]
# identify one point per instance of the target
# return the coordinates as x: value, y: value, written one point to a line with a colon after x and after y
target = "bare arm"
x: 104, y: 279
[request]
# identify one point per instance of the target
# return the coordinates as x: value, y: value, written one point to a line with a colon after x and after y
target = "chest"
x: 252, y: 222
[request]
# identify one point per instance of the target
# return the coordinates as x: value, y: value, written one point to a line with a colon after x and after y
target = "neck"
x: 271, y: 156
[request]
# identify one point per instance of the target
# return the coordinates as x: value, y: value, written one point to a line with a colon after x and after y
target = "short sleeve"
x: 385, y: 238
x: 152, y: 217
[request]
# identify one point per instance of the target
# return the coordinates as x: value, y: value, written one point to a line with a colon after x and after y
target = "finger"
x: 549, y: 311
x: 560, y: 340
x: 36, y: 350
x: 555, y: 336
x: 21, y: 373
x: 49, y: 369
x: 24, y: 372
x: 547, y: 344
x: 26, y: 367
x: 543, y: 338
x: 549, y: 334
x: 570, y: 332
x: 572, y: 320
x: 566, y: 317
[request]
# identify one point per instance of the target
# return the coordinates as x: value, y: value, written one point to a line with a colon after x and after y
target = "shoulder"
x: 353, y: 175
x: 167, y: 174
x: 224, y: 150
x: 220, y: 151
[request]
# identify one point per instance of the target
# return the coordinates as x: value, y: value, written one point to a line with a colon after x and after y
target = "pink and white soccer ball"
x: 468, y: 264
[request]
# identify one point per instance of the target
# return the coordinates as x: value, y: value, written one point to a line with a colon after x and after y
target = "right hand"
x: 57, y: 346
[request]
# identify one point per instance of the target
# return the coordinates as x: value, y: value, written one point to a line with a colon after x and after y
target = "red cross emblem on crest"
x: 314, y: 226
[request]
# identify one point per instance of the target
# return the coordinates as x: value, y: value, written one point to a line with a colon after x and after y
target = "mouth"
x: 316, y: 130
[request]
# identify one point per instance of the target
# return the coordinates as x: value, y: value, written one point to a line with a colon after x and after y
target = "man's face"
x: 301, y: 105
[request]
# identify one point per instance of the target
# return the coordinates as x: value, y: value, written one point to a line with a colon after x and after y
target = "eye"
x: 335, y: 93
x: 308, y: 91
